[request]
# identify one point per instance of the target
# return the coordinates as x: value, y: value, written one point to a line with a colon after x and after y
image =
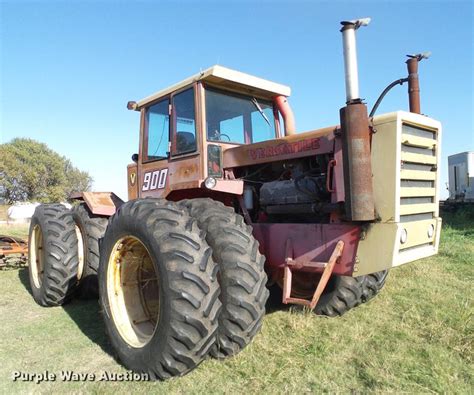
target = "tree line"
x: 30, y: 171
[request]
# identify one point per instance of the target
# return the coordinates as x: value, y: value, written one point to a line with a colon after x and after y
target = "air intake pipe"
x: 286, y: 112
x: 355, y: 131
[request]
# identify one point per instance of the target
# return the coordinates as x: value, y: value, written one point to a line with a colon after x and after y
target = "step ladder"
x: 299, y: 264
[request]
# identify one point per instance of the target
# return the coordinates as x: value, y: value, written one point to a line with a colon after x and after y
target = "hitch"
x: 304, y: 264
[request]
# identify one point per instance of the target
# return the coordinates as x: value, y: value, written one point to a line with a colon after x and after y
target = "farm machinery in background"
x: 226, y: 198
x: 13, y: 251
x: 461, y: 177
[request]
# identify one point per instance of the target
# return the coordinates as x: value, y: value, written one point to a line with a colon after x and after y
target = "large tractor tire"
x: 242, y: 277
x: 92, y: 228
x: 158, y: 288
x: 342, y: 293
x: 372, y: 284
x: 53, y: 259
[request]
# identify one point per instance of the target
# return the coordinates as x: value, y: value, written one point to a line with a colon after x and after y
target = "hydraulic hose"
x: 401, y: 81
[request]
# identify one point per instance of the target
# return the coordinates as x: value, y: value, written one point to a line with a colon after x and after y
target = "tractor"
x: 226, y: 200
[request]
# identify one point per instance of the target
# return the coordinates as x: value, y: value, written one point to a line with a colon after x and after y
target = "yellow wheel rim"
x: 133, y: 291
x: 80, y: 252
x: 36, y: 261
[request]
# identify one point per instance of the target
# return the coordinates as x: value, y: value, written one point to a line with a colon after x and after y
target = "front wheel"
x: 373, y: 284
x: 158, y: 288
x: 242, y: 277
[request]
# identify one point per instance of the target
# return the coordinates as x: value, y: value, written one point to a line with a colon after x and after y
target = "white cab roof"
x: 225, y: 77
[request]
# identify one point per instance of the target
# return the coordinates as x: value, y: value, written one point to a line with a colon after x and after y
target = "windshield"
x: 238, y: 119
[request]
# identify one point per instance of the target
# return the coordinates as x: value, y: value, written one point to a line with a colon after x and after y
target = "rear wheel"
x: 53, y: 259
x: 92, y: 228
x: 242, y: 277
x: 158, y: 288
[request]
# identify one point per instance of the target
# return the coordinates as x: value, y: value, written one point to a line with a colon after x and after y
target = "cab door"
x: 155, y: 149
x: 171, y: 145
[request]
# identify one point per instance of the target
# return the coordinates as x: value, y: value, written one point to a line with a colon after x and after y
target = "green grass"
x: 416, y: 336
x: 15, y: 230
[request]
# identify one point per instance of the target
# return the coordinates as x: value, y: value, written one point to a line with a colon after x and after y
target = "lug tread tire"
x: 188, y: 320
x: 242, y: 276
x: 373, y: 284
x: 92, y: 229
x: 344, y: 294
x: 59, y: 281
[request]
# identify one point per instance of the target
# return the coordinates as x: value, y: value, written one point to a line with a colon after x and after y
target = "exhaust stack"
x: 413, y: 81
x: 350, y: 56
x: 359, y: 195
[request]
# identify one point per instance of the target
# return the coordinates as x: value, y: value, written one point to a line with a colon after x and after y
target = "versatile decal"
x: 284, y: 149
x: 155, y: 179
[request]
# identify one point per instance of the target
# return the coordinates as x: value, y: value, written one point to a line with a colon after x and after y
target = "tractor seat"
x: 185, y: 142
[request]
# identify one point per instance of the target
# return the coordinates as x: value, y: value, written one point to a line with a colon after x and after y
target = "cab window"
x: 238, y: 118
x: 184, y: 122
x: 158, y: 130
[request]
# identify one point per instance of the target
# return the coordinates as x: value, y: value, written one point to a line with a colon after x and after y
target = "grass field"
x: 416, y: 336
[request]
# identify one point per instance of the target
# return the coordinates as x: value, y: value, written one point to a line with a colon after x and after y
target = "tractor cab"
x: 186, y: 128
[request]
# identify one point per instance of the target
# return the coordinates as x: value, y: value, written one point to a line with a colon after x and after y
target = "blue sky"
x: 68, y: 68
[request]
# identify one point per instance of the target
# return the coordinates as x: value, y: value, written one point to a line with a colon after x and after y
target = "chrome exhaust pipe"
x: 350, y: 57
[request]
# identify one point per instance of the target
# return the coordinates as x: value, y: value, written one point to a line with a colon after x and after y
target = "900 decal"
x: 154, y: 180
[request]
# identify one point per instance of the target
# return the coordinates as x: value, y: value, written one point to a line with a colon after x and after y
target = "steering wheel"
x: 223, y: 134
x: 217, y: 136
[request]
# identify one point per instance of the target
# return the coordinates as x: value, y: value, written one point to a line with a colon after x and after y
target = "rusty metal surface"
x: 102, y: 203
x: 338, y: 174
x: 413, y: 85
x: 299, y: 145
x: 322, y: 282
x: 359, y: 195
x: 281, y: 103
x: 12, y: 245
x: 310, y: 243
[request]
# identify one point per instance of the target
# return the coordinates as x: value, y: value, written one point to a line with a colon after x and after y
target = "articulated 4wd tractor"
x: 226, y: 199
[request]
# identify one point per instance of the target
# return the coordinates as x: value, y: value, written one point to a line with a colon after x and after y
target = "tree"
x: 29, y: 170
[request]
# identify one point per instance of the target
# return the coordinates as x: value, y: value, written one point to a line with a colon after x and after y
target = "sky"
x: 68, y: 68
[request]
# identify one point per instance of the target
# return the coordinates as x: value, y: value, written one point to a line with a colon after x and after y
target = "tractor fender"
x: 99, y: 203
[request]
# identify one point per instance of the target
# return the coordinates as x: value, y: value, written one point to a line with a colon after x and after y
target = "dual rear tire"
x: 64, y: 253
x: 206, y: 294
x: 55, y: 263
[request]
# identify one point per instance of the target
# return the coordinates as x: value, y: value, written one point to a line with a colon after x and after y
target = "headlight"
x: 431, y: 230
x: 403, y: 236
x: 210, y: 182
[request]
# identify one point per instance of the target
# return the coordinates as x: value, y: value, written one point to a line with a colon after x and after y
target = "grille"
x: 418, y: 173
